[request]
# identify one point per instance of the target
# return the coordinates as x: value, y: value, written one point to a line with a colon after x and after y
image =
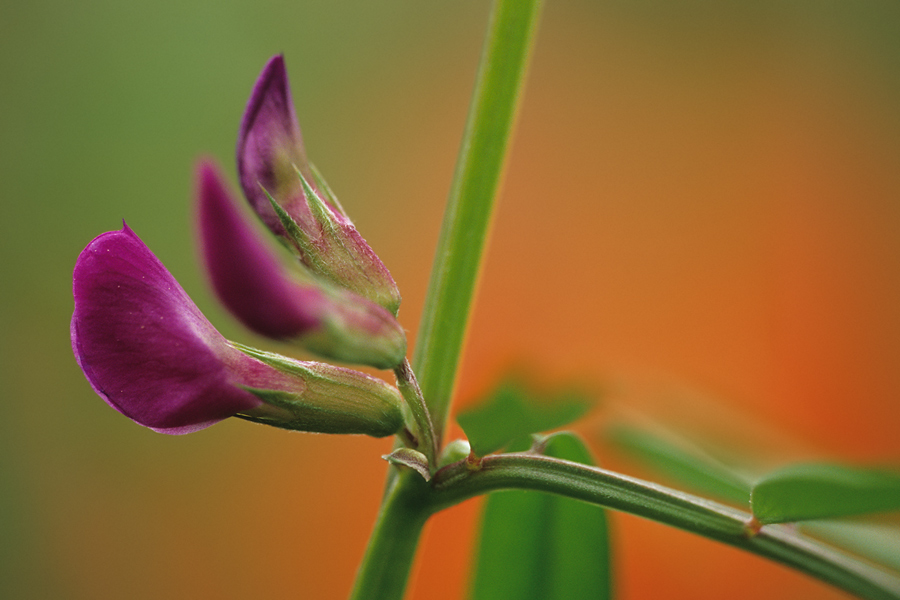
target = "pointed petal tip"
x: 275, y: 66
x: 209, y: 184
x: 116, y: 236
x: 204, y: 167
x: 273, y: 75
x: 269, y: 141
x: 272, y: 89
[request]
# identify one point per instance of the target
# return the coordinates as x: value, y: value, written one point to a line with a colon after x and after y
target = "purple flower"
x: 251, y: 282
x: 149, y: 353
x: 293, y: 200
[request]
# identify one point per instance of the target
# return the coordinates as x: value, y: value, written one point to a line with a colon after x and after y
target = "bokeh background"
x: 701, y: 216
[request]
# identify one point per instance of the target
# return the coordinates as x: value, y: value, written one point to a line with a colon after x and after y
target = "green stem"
x: 527, y: 471
x: 404, y: 510
x: 467, y: 218
x: 392, y: 547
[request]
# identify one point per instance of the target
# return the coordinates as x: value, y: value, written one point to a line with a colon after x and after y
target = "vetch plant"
x: 147, y: 350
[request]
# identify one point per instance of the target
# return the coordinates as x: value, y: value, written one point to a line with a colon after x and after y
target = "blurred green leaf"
x: 693, y: 469
x: 877, y: 542
x: 818, y: 491
x: 543, y: 547
x: 512, y: 411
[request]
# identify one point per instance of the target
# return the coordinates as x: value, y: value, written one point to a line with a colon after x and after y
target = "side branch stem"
x: 527, y: 471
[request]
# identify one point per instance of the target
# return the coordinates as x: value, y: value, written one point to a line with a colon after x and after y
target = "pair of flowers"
x: 149, y: 353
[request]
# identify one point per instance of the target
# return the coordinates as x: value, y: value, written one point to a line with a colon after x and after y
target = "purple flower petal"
x: 270, y: 148
x: 251, y: 283
x: 144, y: 346
x: 244, y: 273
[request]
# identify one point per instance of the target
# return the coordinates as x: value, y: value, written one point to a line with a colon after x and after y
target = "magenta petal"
x: 244, y: 273
x: 144, y: 346
x: 270, y: 147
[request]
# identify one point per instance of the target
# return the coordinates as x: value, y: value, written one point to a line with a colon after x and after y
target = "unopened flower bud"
x: 293, y: 200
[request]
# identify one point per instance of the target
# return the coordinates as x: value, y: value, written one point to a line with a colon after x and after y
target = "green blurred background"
x: 702, y: 196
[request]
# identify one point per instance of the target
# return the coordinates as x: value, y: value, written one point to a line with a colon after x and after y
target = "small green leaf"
x: 818, y: 491
x: 693, y: 469
x: 513, y: 411
x: 407, y: 457
x: 538, y: 546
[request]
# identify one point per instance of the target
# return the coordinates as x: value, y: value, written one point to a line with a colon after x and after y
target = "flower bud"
x: 250, y: 281
x: 293, y: 200
x: 454, y: 451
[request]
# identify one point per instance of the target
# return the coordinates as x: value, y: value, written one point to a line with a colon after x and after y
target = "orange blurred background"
x: 700, y: 216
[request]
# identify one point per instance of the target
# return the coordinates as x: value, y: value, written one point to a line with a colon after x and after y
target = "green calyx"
x: 328, y: 399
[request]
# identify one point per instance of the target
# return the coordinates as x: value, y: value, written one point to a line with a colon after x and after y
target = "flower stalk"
x: 527, y: 471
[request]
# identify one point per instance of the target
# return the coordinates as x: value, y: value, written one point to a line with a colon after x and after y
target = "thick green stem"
x: 467, y: 218
x: 386, y: 565
x: 392, y: 547
x: 459, y: 482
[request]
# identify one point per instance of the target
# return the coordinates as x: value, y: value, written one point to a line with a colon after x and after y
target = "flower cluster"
x: 147, y: 350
